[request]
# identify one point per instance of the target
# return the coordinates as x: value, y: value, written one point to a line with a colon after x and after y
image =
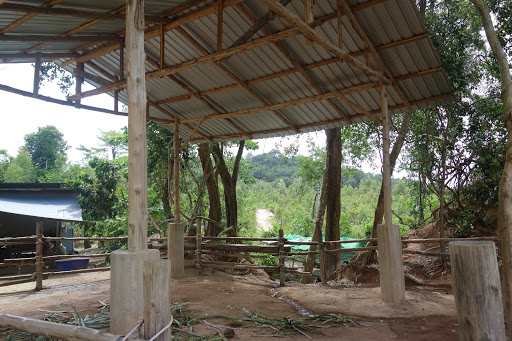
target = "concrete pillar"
x: 157, y: 304
x: 176, y: 249
x: 126, y: 288
x: 391, y: 268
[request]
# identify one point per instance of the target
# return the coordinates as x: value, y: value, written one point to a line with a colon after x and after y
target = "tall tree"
x: 505, y: 198
x: 20, y: 169
x: 333, y: 207
x: 215, y: 213
x: 46, y: 147
x: 229, y: 181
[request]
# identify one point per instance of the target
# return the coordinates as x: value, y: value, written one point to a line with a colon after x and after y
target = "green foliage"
x: 51, y: 72
x: 20, y: 170
x: 47, y: 148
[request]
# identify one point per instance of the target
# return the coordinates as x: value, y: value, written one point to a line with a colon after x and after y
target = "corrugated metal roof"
x: 45, y: 202
x: 394, y: 27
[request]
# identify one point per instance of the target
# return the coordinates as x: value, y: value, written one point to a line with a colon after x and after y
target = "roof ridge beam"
x: 310, y: 33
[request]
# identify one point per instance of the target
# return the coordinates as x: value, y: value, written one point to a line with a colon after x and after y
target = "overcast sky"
x: 22, y: 115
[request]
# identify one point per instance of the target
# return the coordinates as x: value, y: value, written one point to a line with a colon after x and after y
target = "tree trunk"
x: 165, y: 197
x: 333, y: 209
x: 229, y: 182
x: 215, y: 213
x: 393, y: 156
x: 505, y: 196
x: 317, y: 232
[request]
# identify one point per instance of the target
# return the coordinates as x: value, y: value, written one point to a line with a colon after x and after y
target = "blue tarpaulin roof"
x: 52, y: 201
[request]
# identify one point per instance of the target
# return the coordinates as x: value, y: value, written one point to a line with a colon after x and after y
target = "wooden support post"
x: 162, y: 47
x: 79, y: 81
x: 116, y: 95
x: 220, y: 22
x: 176, y: 249
x: 391, y: 269
x: 477, y: 290
x: 37, y: 70
x: 386, y: 167
x: 281, y: 259
x: 157, y: 299
x: 176, y: 177
x: 126, y: 288
x: 137, y: 149
x: 39, y: 255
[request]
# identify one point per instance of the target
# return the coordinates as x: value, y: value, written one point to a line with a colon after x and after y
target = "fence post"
x: 39, y: 255
x: 281, y: 259
x: 477, y: 290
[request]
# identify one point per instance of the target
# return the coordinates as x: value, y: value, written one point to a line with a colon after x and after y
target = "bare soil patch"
x: 427, y: 314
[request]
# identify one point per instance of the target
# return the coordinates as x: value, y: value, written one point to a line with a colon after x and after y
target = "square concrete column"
x: 127, y: 288
x: 176, y: 249
x: 391, y: 268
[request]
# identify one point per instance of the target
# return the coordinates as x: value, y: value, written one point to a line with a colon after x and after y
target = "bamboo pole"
x: 54, y: 330
x: 39, y: 255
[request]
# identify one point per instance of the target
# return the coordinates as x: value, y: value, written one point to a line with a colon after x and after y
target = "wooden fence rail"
x: 233, y: 248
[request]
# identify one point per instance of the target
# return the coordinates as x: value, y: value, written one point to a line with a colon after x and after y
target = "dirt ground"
x: 428, y: 314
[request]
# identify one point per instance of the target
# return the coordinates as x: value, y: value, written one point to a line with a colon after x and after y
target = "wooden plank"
x: 74, y: 13
x: 339, y: 16
x: 391, y: 269
x: 176, y: 249
x: 79, y: 73
x: 27, y: 17
x: 45, y: 57
x: 309, y: 17
x: 137, y: 148
x: 477, y: 290
x: 162, y: 47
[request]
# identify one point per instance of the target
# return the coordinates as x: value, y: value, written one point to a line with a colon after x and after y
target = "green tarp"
x: 345, y: 256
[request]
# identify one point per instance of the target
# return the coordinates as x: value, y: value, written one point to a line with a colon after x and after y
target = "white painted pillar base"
x: 176, y: 249
x: 391, y: 268
x: 126, y: 288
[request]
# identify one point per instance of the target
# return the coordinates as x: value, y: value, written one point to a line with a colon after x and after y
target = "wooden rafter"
x: 27, y: 17
x: 45, y: 57
x: 193, y: 63
x: 296, y: 22
x: 327, y: 122
x: 194, y: 94
x: 46, y: 38
x: 154, y: 31
x: 74, y: 31
x: 296, y: 65
x: 74, y: 13
x: 293, y: 103
x: 373, y: 51
x: 234, y: 77
x: 281, y: 74
x: 220, y: 24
